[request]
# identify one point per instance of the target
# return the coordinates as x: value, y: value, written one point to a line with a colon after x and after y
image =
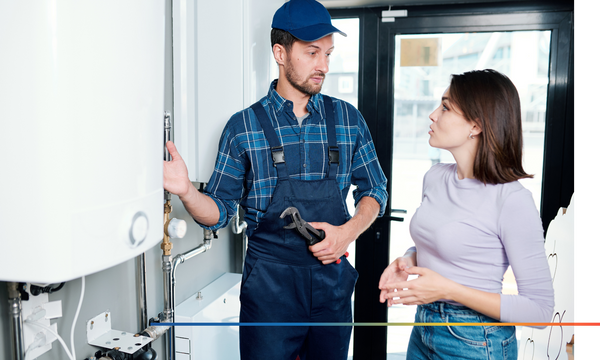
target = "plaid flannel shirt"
x: 244, y: 173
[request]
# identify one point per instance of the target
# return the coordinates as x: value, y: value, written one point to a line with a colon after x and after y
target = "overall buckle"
x: 334, y: 155
x: 277, y: 155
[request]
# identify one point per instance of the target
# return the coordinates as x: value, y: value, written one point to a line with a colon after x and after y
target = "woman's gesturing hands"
x: 427, y: 288
x: 393, y: 274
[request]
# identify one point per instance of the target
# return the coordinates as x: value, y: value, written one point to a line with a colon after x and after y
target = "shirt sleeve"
x: 226, y: 184
x: 367, y: 174
x: 522, y: 235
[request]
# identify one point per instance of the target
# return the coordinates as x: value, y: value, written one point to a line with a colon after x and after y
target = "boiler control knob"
x: 177, y: 228
x: 139, y: 228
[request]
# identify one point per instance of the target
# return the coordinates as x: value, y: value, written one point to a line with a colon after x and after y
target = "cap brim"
x: 315, y: 32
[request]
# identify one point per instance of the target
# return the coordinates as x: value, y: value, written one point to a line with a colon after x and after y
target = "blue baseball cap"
x: 307, y: 20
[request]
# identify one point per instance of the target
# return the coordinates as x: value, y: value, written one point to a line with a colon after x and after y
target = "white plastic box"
x: 218, y: 303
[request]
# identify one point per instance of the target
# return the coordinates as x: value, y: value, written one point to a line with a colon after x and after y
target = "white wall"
x: 221, y: 63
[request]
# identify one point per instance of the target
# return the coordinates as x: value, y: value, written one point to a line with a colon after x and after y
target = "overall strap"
x: 276, y: 149
x: 277, y: 152
x: 333, y: 150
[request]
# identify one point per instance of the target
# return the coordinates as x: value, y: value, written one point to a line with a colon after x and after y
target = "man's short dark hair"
x: 282, y: 38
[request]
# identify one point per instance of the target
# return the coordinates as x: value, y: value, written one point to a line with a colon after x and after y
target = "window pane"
x: 342, y: 83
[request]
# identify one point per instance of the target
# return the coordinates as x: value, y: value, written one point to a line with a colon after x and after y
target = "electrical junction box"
x: 38, y: 310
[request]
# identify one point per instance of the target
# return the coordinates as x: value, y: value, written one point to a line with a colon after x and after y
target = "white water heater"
x: 82, y: 94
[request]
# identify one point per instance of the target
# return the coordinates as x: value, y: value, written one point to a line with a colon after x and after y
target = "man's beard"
x: 305, y: 87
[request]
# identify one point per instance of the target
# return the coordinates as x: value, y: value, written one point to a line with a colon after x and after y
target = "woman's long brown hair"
x: 491, y: 100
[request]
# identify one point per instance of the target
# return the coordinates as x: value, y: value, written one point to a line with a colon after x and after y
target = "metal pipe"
x: 181, y: 258
x: 169, y: 264
x: 167, y: 267
x: 167, y: 314
x: 178, y: 260
x: 240, y: 228
x: 142, y: 290
x: 236, y: 226
x: 167, y: 135
x: 16, y: 325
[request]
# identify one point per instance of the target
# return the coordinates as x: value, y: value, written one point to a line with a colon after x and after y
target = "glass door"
x: 531, y: 43
x: 342, y: 83
x: 423, y: 64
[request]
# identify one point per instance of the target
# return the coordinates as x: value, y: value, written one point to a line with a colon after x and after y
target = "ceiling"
x: 331, y: 4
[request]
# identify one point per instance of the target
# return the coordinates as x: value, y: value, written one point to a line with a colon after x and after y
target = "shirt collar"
x: 315, y: 102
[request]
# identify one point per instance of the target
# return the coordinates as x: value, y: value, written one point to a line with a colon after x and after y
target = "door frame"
x: 375, y: 100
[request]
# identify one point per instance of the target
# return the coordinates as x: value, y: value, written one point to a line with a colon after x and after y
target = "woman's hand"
x: 395, y: 273
x: 427, y: 288
x: 431, y: 286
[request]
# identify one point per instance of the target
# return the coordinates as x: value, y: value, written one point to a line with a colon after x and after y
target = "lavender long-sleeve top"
x: 469, y: 232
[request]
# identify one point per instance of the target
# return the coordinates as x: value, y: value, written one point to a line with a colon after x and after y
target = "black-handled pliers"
x: 311, y: 234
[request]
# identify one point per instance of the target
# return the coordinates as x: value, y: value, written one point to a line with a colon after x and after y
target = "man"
x: 295, y: 147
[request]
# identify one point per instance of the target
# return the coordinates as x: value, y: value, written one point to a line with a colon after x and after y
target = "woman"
x: 475, y: 219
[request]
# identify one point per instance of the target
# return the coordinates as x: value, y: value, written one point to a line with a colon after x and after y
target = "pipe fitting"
x: 16, y: 325
x: 236, y: 226
x: 176, y: 228
x: 166, y: 245
x: 155, y: 332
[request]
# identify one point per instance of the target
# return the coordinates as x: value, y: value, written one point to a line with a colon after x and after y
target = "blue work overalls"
x: 282, y: 281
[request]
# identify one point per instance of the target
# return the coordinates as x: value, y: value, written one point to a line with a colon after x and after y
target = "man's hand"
x: 176, y: 181
x: 334, y: 245
x: 175, y: 173
x: 338, y: 238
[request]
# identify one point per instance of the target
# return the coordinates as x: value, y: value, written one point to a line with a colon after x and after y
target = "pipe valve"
x: 177, y: 228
